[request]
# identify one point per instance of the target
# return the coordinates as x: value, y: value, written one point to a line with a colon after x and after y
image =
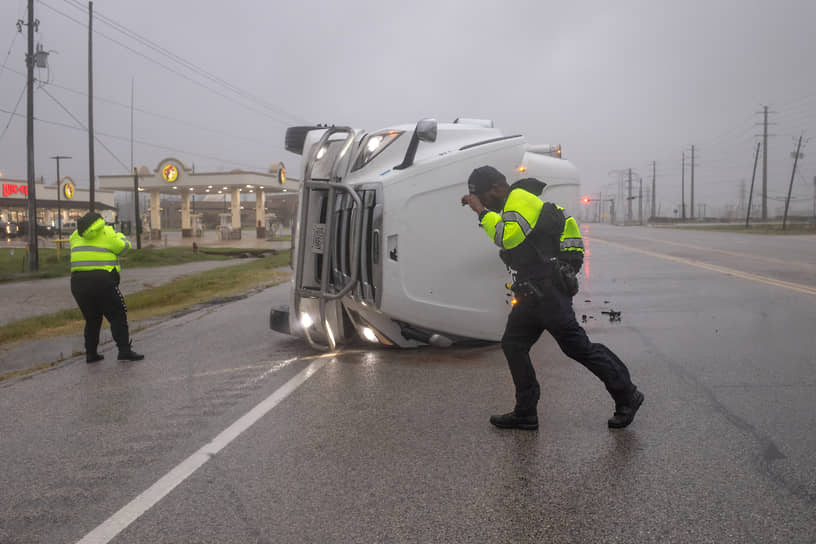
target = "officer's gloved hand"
x: 575, y: 262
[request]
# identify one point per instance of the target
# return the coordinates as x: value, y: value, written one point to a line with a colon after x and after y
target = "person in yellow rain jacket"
x: 545, y: 251
x: 95, y: 251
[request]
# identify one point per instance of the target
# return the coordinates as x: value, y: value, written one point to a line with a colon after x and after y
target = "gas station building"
x: 55, y: 204
x: 172, y: 177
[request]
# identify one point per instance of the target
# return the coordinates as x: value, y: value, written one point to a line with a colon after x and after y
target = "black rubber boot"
x: 93, y: 357
x: 128, y: 354
x: 513, y: 421
x: 625, y: 411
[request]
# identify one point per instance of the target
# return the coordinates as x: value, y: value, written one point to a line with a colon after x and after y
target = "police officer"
x: 544, y: 249
x: 95, y: 251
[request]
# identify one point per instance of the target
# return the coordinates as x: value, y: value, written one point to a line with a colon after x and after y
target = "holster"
x: 528, y: 291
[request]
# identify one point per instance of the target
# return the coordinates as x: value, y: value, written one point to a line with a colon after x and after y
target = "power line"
x: 11, y: 115
x: 147, y: 112
x: 142, y: 142
x: 171, y: 70
x: 798, y: 100
x: 184, y: 62
x: 52, y: 97
x: 13, y: 41
x: 8, y: 54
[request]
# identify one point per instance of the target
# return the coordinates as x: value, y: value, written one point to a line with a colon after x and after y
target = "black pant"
x: 553, y: 312
x: 97, y: 294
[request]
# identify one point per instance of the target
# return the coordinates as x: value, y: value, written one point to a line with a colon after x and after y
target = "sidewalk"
x: 209, y: 238
x: 31, y: 298
x: 22, y: 299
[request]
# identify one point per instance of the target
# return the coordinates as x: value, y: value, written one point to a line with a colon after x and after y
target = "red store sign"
x: 10, y: 189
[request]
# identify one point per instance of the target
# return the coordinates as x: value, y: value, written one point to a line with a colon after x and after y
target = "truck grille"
x: 342, y: 248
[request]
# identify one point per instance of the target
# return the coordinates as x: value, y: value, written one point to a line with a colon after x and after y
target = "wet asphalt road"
x: 390, y: 446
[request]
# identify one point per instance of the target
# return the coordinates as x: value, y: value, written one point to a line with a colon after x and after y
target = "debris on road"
x: 613, y: 315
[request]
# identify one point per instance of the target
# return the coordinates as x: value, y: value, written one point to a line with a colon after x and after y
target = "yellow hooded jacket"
x: 98, y: 247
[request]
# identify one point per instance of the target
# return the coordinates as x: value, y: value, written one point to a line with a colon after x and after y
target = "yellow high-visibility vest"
x: 98, y: 248
x: 518, y: 219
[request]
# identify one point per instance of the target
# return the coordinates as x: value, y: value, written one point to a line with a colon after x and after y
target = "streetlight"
x: 59, y: 190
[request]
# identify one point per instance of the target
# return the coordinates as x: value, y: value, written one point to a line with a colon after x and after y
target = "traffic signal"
x: 586, y: 200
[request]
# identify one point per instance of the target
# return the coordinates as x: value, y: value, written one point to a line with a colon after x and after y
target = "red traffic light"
x: 586, y: 200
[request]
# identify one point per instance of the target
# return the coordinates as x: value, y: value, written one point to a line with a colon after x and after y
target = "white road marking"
x: 119, y: 521
x: 807, y: 289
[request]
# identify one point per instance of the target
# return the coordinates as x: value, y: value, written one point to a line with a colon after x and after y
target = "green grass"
x: 14, y: 262
x: 163, y: 300
x: 763, y: 228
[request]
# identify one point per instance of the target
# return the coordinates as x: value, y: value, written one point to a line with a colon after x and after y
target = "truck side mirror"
x: 425, y: 131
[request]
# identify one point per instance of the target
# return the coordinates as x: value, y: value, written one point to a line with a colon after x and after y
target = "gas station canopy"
x: 172, y: 177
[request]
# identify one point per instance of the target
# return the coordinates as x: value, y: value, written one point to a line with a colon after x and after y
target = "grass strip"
x: 14, y: 261
x: 163, y: 300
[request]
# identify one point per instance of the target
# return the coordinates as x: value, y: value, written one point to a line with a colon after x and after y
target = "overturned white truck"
x: 382, y: 248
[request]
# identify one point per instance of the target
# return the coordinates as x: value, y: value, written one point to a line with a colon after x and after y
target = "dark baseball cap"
x: 483, y: 178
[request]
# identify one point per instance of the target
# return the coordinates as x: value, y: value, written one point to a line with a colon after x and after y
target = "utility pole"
x: 814, y: 200
x: 693, y: 164
x: 640, y: 202
x: 136, y: 206
x: 33, y: 253
x: 598, y: 218
x: 765, y: 135
x: 654, y: 176
x: 683, y: 188
x: 629, y: 198
x: 132, y: 86
x: 751, y: 192
x: 790, y: 186
x: 92, y: 174
x: 765, y: 164
x: 59, y: 195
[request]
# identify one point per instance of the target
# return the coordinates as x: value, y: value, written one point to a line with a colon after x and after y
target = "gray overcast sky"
x: 618, y: 84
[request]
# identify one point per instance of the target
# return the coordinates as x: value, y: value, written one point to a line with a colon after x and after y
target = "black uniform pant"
x: 97, y: 294
x: 553, y: 312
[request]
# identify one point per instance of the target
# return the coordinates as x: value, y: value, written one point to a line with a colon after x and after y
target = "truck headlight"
x: 374, y: 144
x: 369, y: 335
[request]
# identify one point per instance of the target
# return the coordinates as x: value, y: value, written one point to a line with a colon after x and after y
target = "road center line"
x: 786, y: 262
x: 721, y: 269
x: 119, y: 521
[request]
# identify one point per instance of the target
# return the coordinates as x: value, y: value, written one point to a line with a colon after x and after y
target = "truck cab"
x: 382, y: 248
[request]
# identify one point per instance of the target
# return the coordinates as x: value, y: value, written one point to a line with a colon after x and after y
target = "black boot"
x: 625, y: 410
x: 93, y: 357
x: 127, y: 354
x: 513, y: 421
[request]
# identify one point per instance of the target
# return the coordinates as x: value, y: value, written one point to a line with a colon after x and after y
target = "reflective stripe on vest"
x: 518, y: 218
x: 572, y: 243
x: 499, y: 236
x: 78, y: 264
x: 90, y: 248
